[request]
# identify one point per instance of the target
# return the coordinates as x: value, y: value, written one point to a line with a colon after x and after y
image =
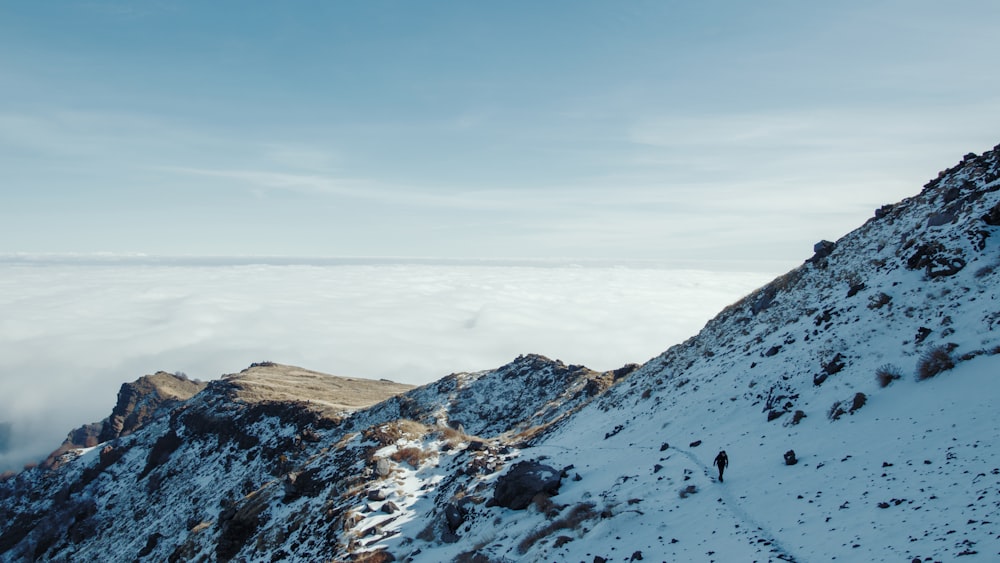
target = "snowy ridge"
x: 875, y: 362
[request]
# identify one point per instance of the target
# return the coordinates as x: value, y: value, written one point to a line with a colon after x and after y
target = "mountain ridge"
x: 872, y: 364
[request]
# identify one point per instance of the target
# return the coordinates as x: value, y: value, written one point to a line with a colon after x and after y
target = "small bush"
x: 572, y: 521
x: 411, y: 455
x: 688, y: 491
x: 886, y: 374
x: 390, y: 433
x: 836, y: 411
x: 453, y: 436
x: 933, y: 362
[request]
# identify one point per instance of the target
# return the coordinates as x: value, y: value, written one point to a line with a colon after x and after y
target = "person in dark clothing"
x: 722, y: 462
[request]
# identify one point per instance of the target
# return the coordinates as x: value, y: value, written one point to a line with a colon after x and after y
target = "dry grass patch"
x: 388, y: 434
x: 571, y: 521
x: 412, y: 455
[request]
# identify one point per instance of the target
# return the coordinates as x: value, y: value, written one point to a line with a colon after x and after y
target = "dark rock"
x: 517, y: 487
x: 636, y: 556
x: 772, y: 351
x: 857, y: 402
x: 664, y: 446
x: 835, y: 365
x: 884, y: 211
x: 624, y: 370
x: 944, y: 267
x: 797, y: 417
x: 695, y: 444
x: 160, y: 452
x: 454, y: 516
x: 992, y: 218
x: 822, y: 249
x: 151, y: 542
x: 390, y: 508
x: 855, y: 288
x: 376, y: 495
x: 790, y: 458
x: 764, y: 300
x: 941, y: 219
x: 477, y: 446
x: 922, y: 334
x: 923, y: 256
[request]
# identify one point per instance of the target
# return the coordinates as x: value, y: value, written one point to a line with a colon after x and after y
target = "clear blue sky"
x: 665, y: 130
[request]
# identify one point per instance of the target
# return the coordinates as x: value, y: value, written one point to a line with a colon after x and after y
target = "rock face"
x: 145, y: 398
x: 140, y: 401
x: 523, y: 482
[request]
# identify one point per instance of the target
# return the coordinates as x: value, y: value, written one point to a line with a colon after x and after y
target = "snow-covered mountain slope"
x: 876, y: 363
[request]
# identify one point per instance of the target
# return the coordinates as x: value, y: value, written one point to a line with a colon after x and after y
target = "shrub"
x: 571, y: 521
x: 411, y: 455
x: 688, y: 491
x: 886, y: 374
x: 933, y: 362
x: 390, y: 433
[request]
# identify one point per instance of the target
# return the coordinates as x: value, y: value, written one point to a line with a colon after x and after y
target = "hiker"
x: 722, y: 462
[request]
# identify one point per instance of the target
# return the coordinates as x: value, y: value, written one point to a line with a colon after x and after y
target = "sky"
x: 718, y: 134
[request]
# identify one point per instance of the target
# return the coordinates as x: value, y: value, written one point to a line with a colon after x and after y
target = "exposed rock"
x: 884, y: 211
x: 790, y: 458
x: 143, y: 399
x: 822, y: 249
x: 764, y: 300
x: 992, y: 218
x: 940, y: 219
x: 454, y: 516
x: 138, y: 402
x: 517, y: 487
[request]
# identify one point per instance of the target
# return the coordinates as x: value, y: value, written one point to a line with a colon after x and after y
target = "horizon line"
x: 146, y: 259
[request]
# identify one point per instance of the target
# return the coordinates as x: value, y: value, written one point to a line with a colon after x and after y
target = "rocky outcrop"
x: 144, y: 398
x: 516, y: 488
x: 140, y: 401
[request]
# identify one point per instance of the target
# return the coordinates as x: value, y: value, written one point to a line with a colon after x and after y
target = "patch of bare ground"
x: 327, y: 394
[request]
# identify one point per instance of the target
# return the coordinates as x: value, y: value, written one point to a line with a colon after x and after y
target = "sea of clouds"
x: 71, y: 332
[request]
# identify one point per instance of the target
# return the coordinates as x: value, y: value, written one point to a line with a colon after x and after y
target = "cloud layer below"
x: 70, y: 334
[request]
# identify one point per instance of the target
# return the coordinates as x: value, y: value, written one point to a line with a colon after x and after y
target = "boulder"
x: 790, y: 458
x: 823, y: 248
x: 517, y: 487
